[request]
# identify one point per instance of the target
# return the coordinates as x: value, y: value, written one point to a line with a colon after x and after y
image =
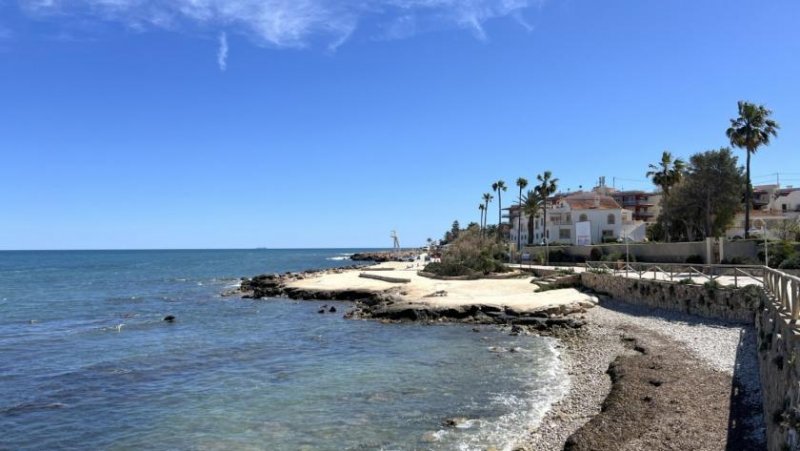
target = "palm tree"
x: 751, y: 130
x: 482, y: 208
x: 521, y: 183
x: 498, y: 187
x: 667, y: 173
x: 487, y: 198
x: 547, y: 186
x: 531, y: 205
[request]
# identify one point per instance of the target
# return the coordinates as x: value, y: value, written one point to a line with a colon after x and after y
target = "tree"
x: 487, y: 198
x: 787, y: 229
x: 667, y: 173
x: 547, y: 187
x: 521, y: 183
x: 751, y: 130
x: 455, y: 229
x: 482, y: 208
x: 706, y: 201
x: 530, y: 207
x: 498, y: 187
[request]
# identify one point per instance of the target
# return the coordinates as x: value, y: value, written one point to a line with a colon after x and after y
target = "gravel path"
x: 724, y: 352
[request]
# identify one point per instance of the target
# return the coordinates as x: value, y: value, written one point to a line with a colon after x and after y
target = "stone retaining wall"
x: 779, y: 359
x: 718, y: 302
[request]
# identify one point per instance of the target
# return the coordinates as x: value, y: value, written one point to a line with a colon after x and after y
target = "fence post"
x: 785, y: 293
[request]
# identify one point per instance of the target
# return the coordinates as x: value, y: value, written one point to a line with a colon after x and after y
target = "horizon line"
x: 201, y: 249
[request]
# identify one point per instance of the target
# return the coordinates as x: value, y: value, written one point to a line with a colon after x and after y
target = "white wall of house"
x: 789, y: 203
x: 561, y: 219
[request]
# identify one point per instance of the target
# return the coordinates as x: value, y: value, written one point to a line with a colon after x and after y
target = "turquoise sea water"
x: 86, y: 362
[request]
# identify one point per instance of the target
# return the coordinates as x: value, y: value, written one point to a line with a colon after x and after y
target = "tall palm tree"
x: 482, y: 208
x: 667, y: 173
x: 531, y: 205
x: 487, y: 198
x: 751, y: 130
x: 498, y: 187
x: 521, y: 183
x: 547, y: 186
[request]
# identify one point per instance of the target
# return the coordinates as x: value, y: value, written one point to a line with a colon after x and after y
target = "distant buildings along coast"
x: 606, y: 214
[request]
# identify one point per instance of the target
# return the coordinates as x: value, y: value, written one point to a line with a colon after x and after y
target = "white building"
x: 597, y: 218
x: 786, y: 201
x: 771, y: 206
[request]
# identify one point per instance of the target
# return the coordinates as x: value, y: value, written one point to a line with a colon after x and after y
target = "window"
x: 611, y: 219
x: 608, y: 233
x: 583, y: 218
x: 567, y: 217
x: 564, y: 234
x: 783, y: 207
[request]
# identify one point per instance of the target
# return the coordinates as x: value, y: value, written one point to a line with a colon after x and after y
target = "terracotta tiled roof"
x: 587, y: 201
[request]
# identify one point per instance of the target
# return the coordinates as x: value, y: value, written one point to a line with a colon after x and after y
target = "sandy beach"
x: 517, y: 293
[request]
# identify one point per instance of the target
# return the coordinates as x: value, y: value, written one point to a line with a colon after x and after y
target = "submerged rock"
x: 453, y: 422
x: 169, y: 318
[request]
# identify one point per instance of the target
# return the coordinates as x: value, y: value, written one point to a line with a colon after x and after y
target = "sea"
x: 87, y: 362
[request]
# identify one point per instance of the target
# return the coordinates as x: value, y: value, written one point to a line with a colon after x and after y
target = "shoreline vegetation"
x: 640, y: 378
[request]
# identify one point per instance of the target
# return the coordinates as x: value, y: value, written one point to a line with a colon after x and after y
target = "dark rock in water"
x: 475, y: 329
x: 332, y: 309
x: 322, y: 310
x: 169, y: 318
x: 454, y: 422
x: 380, y: 257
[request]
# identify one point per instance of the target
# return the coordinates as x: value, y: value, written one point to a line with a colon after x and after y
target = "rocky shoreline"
x: 643, y: 378
x: 385, y: 256
x: 390, y: 305
x: 638, y: 378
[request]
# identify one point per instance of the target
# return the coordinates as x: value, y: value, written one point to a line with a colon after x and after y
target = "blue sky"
x: 322, y: 123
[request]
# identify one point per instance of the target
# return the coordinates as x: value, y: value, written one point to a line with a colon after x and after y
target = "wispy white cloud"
x: 222, y: 53
x: 291, y: 23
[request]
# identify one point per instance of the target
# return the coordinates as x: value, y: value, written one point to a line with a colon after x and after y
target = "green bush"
x: 778, y: 252
x: 739, y: 260
x: 695, y: 259
x: 618, y: 257
x: 793, y: 262
x: 472, y: 254
x: 560, y: 256
x: 448, y: 269
x: 614, y: 257
x: 595, y: 254
x: 712, y: 286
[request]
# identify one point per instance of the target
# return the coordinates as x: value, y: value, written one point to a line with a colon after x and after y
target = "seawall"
x: 779, y: 358
x: 707, y: 301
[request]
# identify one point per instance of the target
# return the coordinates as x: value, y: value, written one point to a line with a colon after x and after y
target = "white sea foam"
x: 340, y: 257
x: 526, y: 410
